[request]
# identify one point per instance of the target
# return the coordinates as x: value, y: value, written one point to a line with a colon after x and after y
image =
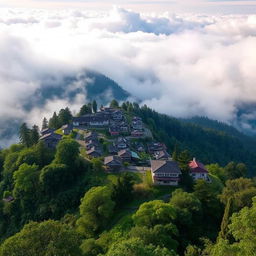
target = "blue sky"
x: 212, y: 6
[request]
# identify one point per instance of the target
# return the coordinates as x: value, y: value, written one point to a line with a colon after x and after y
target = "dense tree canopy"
x: 96, y: 209
x: 135, y: 247
x: 26, y: 180
x: 49, y: 238
x: 67, y: 152
x: 242, y: 228
x: 154, y: 212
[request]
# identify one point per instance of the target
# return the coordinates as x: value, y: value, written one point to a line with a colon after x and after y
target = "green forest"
x: 55, y: 202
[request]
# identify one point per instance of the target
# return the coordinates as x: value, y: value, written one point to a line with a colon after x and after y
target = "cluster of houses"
x: 113, y: 120
x: 120, y: 153
x: 158, y: 150
x: 92, y: 145
x: 121, y: 150
x: 167, y: 172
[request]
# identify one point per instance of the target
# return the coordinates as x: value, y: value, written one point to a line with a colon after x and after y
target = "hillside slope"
x: 210, y: 145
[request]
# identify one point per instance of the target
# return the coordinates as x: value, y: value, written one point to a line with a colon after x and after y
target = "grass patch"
x: 59, y: 131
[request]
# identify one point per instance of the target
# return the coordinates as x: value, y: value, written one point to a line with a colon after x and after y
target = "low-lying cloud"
x: 181, y: 65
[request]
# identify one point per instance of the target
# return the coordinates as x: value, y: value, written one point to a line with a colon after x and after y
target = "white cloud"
x: 182, y: 65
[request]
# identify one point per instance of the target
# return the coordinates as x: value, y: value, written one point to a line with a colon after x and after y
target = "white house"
x: 198, y: 170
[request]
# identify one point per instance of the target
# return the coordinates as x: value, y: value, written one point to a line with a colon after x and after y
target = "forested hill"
x: 205, y: 122
x: 60, y: 201
x: 211, y: 145
x: 214, y: 124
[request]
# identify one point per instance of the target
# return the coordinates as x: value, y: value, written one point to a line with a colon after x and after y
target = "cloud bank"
x: 181, y: 65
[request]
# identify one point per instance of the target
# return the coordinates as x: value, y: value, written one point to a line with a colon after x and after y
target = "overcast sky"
x: 204, y: 6
x: 180, y: 62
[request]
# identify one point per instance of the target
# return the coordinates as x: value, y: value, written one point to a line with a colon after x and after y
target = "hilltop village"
x: 111, y: 175
x: 124, y: 143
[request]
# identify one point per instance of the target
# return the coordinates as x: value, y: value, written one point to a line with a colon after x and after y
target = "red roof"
x: 197, y: 167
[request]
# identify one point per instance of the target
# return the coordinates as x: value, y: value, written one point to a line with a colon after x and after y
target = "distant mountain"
x: 90, y: 84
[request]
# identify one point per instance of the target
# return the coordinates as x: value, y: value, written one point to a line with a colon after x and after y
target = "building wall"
x: 197, y: 176
x: 165, y: 183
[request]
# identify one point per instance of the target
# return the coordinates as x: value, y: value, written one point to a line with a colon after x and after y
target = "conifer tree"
x: 183, y: 160
x: 54, y: 121
x: 84, y: 110
x: 175, y: 153
x: 89, y: 107
x: 124, y: 106
x: 64, y: 116
x: 24, y: 135
x: 225, y: 220
x: 94, y: 106
x: 34, y: 135
x: 114, y: 104
x: 44, y: 124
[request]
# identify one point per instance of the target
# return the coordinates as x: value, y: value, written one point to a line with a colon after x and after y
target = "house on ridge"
x: 91, y: 136
x: 94, y: 152
x: 67, y: 129
x: 165, y: 172
x: 198, y: 170
x: 113, y: 163
x: 125, y: 155
x: 51, y: 139
x: 46, y: 131
x: 161, y: 155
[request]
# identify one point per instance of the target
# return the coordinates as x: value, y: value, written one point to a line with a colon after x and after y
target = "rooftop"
x: 197, y: 166
x: 165, y: 166
x: 109, y: 159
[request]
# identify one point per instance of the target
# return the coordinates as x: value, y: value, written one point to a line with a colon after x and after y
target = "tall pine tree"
x: 24, y: 135
x: 44, y: 124
x: 64, y: 116
x: 34, y: 135
x: 84, y: 110
x: 225, y: 220
x: 94, y: 106
x: 54, y: 122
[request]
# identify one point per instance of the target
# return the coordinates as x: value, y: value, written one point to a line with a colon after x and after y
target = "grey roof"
x: 126, y: 152
x: 67, y: 126
x: 108, y: 109
x: 165, y: 166
x: 92, y: 142
x: 93, y: 150
x: 51, y: 136
x: 162, y: 154
x: 47, y: 130
x: 97, y: 117
x: 114, y: 159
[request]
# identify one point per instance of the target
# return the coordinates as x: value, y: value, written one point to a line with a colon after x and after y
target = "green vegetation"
x: 56, y: 202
